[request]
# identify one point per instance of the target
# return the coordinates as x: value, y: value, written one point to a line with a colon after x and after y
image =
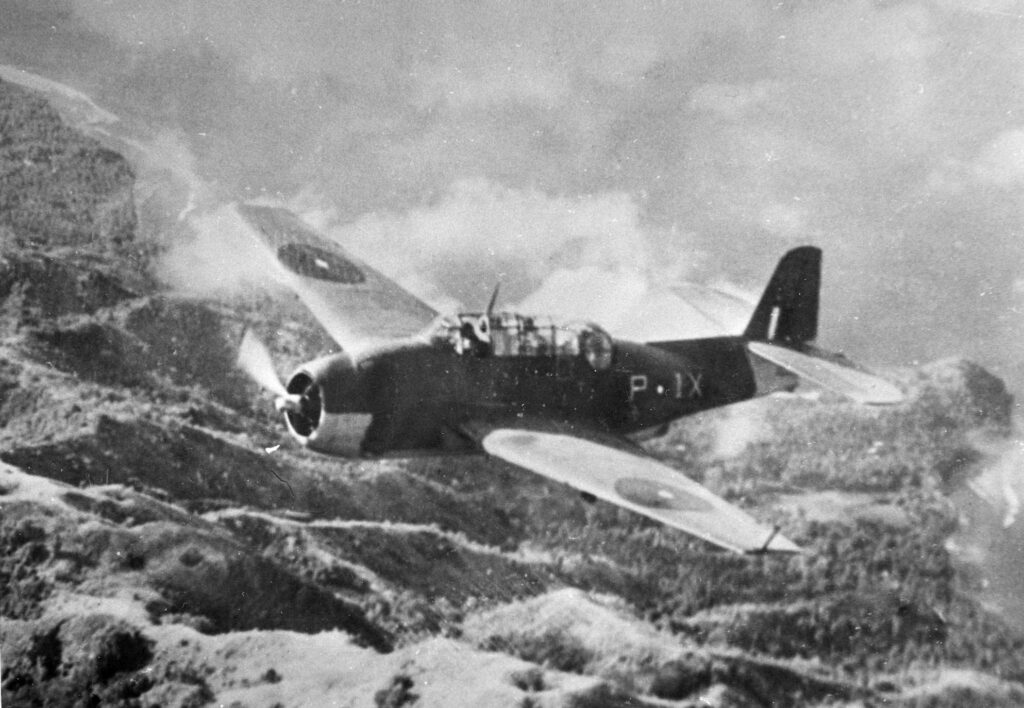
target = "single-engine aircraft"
x: 564, y: 400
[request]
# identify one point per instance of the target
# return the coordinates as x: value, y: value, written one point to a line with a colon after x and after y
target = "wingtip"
x: 776, y: 543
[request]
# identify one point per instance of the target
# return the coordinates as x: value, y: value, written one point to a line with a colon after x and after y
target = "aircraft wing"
x: 637, y: 483
x: 857, y: 385
x: 353, y: 302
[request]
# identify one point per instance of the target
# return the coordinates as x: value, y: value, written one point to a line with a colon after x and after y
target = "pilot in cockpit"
x: 473, y: 341
x: 529, y: 343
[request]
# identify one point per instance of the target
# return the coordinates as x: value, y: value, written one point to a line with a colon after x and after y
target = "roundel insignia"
x: 659, y: 495
x: 313, y: 262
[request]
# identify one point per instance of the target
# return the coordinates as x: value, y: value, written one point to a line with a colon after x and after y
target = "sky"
x: 604, y: 145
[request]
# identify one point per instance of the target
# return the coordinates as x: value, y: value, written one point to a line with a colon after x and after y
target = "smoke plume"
x: 991, y: 533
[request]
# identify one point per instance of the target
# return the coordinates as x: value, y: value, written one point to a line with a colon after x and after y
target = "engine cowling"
x: 325, y: 409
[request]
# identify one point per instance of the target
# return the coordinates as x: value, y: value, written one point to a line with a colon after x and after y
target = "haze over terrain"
x: 608, y: 148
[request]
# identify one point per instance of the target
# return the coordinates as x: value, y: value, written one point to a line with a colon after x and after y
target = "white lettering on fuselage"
x: 694, y: 382
x: 637, y: 383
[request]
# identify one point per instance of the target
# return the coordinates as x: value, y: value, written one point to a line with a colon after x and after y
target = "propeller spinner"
x: 304, y: 400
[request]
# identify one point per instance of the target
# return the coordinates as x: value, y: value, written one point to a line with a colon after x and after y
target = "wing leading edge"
x: 640, y: 484
x: 355, y: 303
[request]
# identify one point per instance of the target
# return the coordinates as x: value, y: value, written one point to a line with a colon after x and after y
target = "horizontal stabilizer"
x: 638, y: 483
x: 856, y: 385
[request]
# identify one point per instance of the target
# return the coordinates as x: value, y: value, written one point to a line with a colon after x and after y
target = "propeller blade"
x: 254, y: 359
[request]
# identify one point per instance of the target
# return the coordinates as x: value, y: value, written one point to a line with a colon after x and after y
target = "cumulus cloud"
x: 480, y: 233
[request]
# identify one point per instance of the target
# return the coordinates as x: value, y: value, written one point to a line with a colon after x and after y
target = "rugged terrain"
x: 157, y: 547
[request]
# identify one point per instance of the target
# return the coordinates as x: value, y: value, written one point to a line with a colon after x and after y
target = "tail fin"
x: 788, y: 311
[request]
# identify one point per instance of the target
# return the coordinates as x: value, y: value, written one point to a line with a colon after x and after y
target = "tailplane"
x: 787, y: 314
x: 786, y: 321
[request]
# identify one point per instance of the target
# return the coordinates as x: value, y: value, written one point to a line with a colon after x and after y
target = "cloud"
x: 999, y: 8
x: 217, y: 255
x: 786, y: 220
x: 633, y: 305
x: 992, y: 529
x: 732, y: 101
x: 736, y: 427
x: 480, y: 233
x: 269, y: 40
x: 487, y: 86
x: 624, y: 61
x: 1001, y: 162
x: 835, y: 37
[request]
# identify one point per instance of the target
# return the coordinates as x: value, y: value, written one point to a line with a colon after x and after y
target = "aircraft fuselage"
x: 416, y: 397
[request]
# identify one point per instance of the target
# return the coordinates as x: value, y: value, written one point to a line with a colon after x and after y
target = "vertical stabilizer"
x: 787, y: 314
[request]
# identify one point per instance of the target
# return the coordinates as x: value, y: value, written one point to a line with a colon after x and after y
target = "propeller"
x: 254, y: 359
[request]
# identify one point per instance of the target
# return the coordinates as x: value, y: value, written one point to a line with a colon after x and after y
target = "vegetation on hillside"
x: 58, y: 187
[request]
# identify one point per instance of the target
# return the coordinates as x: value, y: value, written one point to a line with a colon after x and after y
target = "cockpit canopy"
x: 508, y: 334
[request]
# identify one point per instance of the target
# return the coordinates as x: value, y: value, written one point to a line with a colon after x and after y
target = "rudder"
x: 788, y: 311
